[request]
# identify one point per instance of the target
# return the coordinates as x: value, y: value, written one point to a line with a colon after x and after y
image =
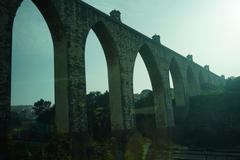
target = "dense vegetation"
x: 212, y: 123
x: 33, y: 134
x: 144, y: 99
x: 99, y: 124
x: 214, y: 119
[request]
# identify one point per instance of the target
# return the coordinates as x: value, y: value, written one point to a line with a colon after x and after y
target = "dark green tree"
x: 99, y: 114
x: 145, y: 101
x: 45, y: 118
x: 41, y: 106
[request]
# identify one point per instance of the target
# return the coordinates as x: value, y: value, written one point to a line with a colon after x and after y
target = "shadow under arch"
x: 51, y: 17
x: 113, y: 67
x: 179, y: 105
x: 192, y: 82
x: 157, y: 87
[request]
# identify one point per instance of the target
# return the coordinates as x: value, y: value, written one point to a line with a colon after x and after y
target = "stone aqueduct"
x: 69, y: 22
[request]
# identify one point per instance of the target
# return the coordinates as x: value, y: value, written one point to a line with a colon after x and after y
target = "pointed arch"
x: 177, y: 82
x: 107, y: 42
x: 52, y: 18
x: 152, y: 68
x: 192, y: 82
x: 113, y: 67
x: 180, y: 108
x: 157, y: 86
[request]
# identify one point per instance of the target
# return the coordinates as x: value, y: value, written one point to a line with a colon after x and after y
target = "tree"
x: 45, y: 114
x: 41, y: 106
x: 145, y: 99
x: 98, y: 114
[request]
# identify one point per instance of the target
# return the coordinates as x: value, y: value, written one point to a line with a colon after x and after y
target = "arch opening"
x: 177, y: 92
x: 32, y: 83
x: 171, y: 86
x: 97, y: 88
x: 143, y: 98
x: 102, y: 74
x: 150, y: 102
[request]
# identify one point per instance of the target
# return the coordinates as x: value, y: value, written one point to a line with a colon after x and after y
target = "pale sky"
x: 207, y: 29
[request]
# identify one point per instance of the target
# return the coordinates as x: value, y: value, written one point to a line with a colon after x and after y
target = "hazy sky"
x: 208, y: 29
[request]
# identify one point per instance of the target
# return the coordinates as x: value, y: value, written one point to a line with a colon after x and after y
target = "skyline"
x: 187, y: 29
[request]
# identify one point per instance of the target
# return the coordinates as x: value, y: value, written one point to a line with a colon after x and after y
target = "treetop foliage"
x: 41, y: 106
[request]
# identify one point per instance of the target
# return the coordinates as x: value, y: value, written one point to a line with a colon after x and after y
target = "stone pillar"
x: 164, y: 113
x: 187, y: 88
x: 77, y: 86
x: 127, y: 98
x: 61, y: 84
x: 198, y: 88
x: 70, y: 90
x: 161, y: 116
x: 7, y: 11
x: 127, y: 52
x: 168, y: 101
x: 5, y: 74
x: 76, y: 97
x: 115, y: 94
x: 76, y: 83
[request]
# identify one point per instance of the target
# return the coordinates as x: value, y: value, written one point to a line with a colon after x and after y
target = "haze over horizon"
x: 207, y: 29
